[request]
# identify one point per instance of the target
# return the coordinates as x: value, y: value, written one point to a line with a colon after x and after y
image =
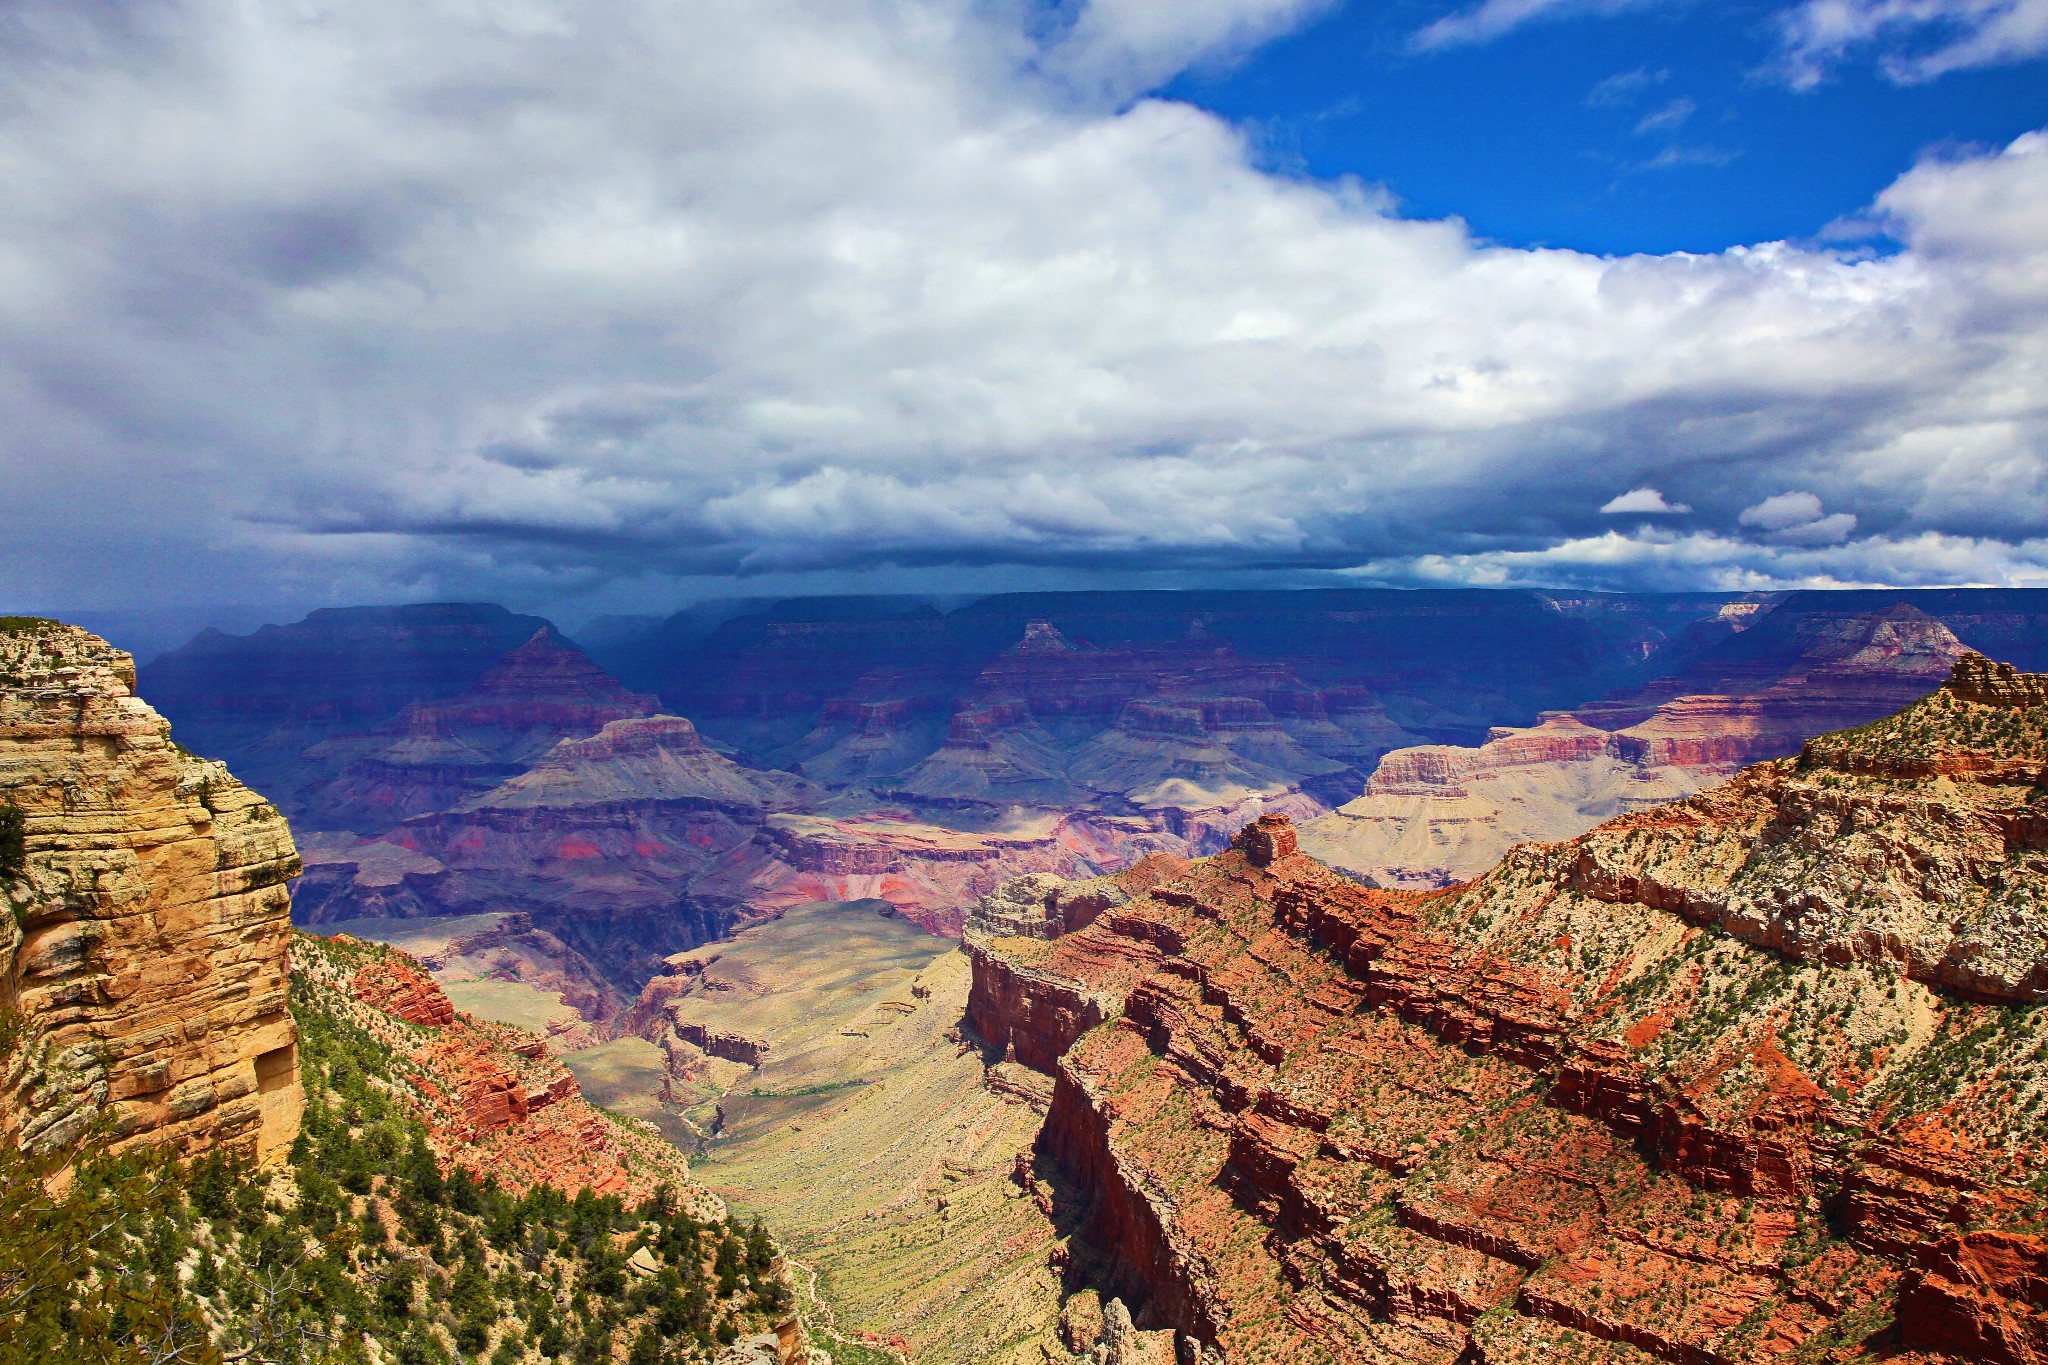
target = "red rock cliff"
x: 1741, y: 1078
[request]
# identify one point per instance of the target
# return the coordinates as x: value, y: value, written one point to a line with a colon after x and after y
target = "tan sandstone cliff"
x: 1437, y: 814
x: 146, y: 940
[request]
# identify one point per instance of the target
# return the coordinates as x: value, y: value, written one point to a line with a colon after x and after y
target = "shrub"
x: 13, y: 841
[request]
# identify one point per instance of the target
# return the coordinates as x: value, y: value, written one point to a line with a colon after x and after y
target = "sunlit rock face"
x: 1749, y: 1076
x: 1435, y: 814
x: 147, y: 940
x: 494, y: 1100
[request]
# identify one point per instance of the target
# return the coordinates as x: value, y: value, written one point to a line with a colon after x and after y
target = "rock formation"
x: 597, y: 842
x: 1436, y: 814
x: 145, y: 947
x: 1439, y: 661
x: 850, y: 748
x: 1749, y: 1076
x: 437, y: 753
x: 260, y: 701
x: 493, y: 1099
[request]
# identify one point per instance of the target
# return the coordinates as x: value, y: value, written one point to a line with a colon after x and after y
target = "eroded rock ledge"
x: 1737, y: 1078
x: 145, y: 951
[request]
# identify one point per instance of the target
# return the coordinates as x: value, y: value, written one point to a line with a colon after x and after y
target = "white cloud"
x: 1646, y: 559
x: 1915, y: 40
x: 1798, y: 519
x: 435, y: 296
x: 1672, y: 115
x: 1782, y: 510
x: 1624, y: 87
x: 1675, y: 156
x: 1832, y: 529
x: 1122, y: 48
x: 1646, y: 501
x: 1492, y: 19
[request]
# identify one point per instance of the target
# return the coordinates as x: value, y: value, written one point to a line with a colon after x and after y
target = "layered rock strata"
x: 259, y: 701
x: 145, y: 948
x: 1435, y: 814
x: 493, y: 1099
x: 598, y: 842
x: 1751, y: 1076
x: 438, y: 753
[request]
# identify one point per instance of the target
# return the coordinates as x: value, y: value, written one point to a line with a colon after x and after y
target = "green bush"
x: 367, y: 1246
x: 13, y: 841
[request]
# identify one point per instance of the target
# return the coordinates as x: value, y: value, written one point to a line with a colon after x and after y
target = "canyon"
x: 1432, y: 815
x: 152, y: 963
x: 224, y: 1139
x: 770, y: 755
x: 465, y: 761
x: 1746, y: 1073
x: 1752, y: 1075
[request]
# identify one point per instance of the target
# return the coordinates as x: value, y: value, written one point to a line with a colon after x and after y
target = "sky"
x: 609, y: 305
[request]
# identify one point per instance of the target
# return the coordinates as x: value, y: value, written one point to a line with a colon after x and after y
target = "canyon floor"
x: 887, y: 1168
x: 867, y: 1137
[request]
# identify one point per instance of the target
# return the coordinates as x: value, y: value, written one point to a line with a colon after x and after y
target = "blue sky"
x: 607, y: 305
x: 1659, y: 128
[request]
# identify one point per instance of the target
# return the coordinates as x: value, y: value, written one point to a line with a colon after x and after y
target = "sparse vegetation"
x: 1941, y: 725
x: 13, y: 841
x: 365, y: 1237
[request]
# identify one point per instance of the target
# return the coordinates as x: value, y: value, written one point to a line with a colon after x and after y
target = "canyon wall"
x: 1433, y: 815
x: 494, y: 1101
x: 1754, y: 1075
x: 450, y: 760
x: 145, y: 948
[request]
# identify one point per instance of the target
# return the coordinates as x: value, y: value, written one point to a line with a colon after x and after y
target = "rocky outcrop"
x: 1030, y: 1015
x: 1746, y: 1077
x: 493, y: 1099
x: 145, y: 951
x: 717, y: 1042
x: 1985, y: 683
x: 1041, y: 905
x: 1979, y: 1296
x: 259, y: 701
x: 1437, y: 814
x: 403, y: 991
x: 655, y: 759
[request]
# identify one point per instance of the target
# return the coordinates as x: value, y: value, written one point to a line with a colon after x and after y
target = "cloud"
x: 1121, y: 48
x: 1649, y: 560
x: 1647, y: 501
x: 1495, y: 18
x: 1676, y: 157
x: 1782, y: 510
x: 1798, y: 519
x: 1669, y: 117
x: 1624, y: 87
x: 1914, y: 40
x: 537, y: 299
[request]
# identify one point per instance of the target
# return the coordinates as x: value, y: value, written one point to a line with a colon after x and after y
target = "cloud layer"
x: 1916, y: 40
x: 446, y: 295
